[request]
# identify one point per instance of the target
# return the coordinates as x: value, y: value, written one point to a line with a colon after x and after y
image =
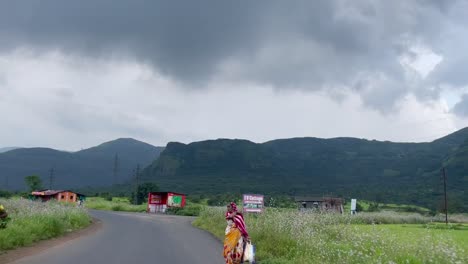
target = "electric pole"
x: 444, y: 176
x: 51, y: 178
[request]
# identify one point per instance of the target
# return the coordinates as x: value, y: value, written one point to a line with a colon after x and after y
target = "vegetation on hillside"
x: 104, y: 165
x: 405, y: 173
x: 33, y: 182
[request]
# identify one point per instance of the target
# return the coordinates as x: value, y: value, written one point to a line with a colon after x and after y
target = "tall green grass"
x: 34, y: 221
x: 117, y: 204
x: 123, y: 204
x: 294, y: 237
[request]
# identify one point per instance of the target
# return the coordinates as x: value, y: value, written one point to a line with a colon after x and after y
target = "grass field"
x: 34, y: 221
x: 391, y: 207
x: 117, y: 204
x: 123, y: 204
x: 293, y: 237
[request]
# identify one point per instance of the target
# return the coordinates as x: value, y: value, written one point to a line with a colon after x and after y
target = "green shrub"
x: 5, y: 194
x: 189, y: 210
x: 117, y: 207
x: 117, y: 204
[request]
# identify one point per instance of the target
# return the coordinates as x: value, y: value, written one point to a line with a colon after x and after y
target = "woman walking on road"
x: 236, y: 235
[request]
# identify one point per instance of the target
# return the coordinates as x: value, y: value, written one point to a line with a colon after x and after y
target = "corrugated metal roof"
x: 168, y: 193
x: 52, y: 192
x: 316, y: 199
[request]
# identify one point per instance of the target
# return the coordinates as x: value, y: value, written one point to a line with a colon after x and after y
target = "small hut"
x: 58, y: 195
x: 159, y: 202
x: 323, y: 204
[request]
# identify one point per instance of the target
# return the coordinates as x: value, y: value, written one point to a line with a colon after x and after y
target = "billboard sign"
x: 253, y: 203
x: 174, y: 200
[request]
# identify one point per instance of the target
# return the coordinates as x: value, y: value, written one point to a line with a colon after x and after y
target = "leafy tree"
x: 34, y: 182
x: 5, y: 194
x: 280, y: 201
x: 141, y: 194
x: 373, y: 207
x: 359, y: 207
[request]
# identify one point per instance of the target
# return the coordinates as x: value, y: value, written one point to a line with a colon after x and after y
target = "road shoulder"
x: 16, y: 254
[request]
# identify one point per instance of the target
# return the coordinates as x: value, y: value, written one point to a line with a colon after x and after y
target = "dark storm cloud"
x: 182, y: 39
x: 302, y: 44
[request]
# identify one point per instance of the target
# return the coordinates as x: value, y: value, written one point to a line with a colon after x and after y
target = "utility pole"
x: 444, y: 175
x: 51, y: 178
x: 116, y: 169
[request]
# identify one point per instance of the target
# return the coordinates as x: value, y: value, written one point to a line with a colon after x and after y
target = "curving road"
x: 136, y: 238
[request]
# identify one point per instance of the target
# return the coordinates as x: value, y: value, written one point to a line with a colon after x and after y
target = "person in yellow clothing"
x: 3, y: 217
x: 235, y: 237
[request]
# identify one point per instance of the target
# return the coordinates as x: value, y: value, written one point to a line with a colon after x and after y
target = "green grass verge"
x: 34, y: 221
x: 117, y: 204
x: 293, y: 237
x: 123, y: 204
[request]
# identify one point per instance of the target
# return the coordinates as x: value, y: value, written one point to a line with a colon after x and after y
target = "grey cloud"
x: 302, y: 44
x: 65, y: 93
x: 453, y: 70
x: 461, y: 108
x: 83, y: 118
x: 3, y: 86
x: 184, y: 40
x: 3, y: 80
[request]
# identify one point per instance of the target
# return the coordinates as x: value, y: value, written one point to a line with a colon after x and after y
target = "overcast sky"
x: 74, y: 74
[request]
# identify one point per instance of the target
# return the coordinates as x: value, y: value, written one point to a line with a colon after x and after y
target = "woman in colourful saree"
x: 236, y: 235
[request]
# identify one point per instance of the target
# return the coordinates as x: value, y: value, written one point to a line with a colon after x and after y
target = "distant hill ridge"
x: 5, y: 149
x: 89, y: 167
x: 375, y: 170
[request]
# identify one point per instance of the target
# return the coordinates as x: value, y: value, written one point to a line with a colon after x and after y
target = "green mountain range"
x: 109, y: 163
x: 346, y: 167
x: 7, y: 149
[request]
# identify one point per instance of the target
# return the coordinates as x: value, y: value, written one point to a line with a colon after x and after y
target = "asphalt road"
x: 136, y: 238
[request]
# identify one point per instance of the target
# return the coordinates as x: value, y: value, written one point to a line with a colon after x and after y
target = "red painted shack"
x: 159, y: 202
x: 59, y: 195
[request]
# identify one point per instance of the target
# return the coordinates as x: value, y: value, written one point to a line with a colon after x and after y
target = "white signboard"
x: 253, y: 203
x: 353, y: 205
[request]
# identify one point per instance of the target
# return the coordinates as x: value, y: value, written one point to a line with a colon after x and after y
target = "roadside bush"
x: 32, y: 221
x: 189, y: 210
x: 5, y: 194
